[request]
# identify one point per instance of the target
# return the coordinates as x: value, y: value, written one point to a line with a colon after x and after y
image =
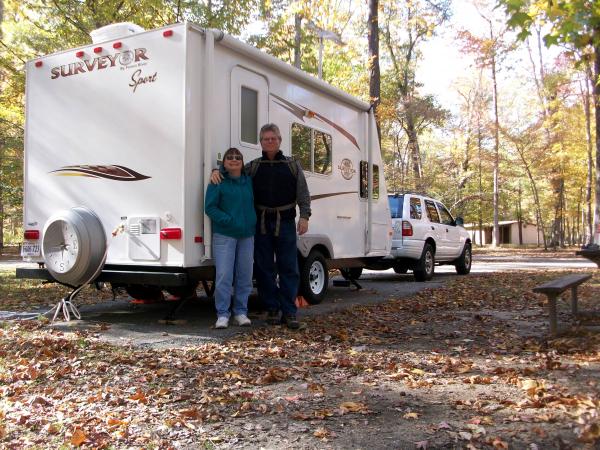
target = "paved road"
x: 142, y: 326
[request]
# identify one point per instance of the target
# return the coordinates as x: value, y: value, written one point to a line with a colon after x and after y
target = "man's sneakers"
x: 273, y: 318
x: 242, y: 320
x: 222, y: 322
x: 290, y: 321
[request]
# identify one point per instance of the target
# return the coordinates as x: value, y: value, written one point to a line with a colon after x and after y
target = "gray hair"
x: 270, y: 127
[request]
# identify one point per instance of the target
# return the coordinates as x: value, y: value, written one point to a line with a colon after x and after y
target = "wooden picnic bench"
x: 553, y: 289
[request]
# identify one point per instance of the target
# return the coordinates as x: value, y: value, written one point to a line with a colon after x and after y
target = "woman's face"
x: 233, y: 162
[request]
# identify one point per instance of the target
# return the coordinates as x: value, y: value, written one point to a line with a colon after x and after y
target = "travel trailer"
x: 122, y: 135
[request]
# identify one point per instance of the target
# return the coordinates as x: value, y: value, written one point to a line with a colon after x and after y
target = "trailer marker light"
x: 168, y: 33
x: 170, y: 233
x: 117, y: 45
x: 407, y: 229
x: 32, y: 234
x: 198, y: 239
x: 79, y: 54
x: 38, y: 64
x: 97, y: 49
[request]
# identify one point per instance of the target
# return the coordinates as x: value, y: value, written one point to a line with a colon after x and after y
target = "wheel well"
x: 431, y: 242
x: 323, y: 249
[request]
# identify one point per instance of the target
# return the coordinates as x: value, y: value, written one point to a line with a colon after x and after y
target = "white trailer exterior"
x: 130, y: 129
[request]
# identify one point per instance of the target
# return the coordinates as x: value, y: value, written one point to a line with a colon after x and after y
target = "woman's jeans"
x: 233, y: 261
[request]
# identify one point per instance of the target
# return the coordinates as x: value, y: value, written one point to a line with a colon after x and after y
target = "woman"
x: 230, y: 205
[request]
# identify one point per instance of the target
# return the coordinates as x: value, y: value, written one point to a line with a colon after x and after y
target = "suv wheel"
x: 463, y: 263
x: 426, y: 265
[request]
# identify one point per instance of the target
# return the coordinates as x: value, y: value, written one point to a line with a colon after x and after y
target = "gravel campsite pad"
x: 465, y: 365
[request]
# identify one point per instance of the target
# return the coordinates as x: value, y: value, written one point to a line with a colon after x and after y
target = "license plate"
x: 30, y: 249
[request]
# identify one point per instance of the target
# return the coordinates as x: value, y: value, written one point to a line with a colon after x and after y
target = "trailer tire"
x: 314, y: 277
x: 463, y: 263
x: 187, y: 291
x: 426, y: 265
x: 352, y: 273
x: 144, y: 292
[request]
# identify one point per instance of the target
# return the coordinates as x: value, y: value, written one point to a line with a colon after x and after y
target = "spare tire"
x: 74, y: 246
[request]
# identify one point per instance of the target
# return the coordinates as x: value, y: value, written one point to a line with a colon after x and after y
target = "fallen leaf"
x: 78, y: 437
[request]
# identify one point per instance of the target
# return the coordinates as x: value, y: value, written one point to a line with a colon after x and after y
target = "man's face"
x: 270, y: 143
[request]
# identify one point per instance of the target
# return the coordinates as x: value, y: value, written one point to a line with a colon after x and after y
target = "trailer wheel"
x: 144, y: 292
x: 182, y: 292
x: 353, y: 273
x: 314, y: 277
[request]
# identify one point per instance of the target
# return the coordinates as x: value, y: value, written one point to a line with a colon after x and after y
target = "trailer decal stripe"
x: 300, y: 112
x: 331, y: 194
x: 110, y: 172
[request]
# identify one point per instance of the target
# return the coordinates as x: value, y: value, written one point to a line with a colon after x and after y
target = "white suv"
x: 425, y: 234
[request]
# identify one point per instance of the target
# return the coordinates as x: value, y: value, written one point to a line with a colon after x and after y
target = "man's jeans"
x: 277, y: 256
x: 233, y: 261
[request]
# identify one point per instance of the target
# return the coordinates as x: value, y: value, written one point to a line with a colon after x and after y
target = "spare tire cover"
x: 74, y: 245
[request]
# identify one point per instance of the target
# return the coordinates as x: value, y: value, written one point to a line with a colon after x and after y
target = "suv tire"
x: 463, y: 263
x: 426, y: 265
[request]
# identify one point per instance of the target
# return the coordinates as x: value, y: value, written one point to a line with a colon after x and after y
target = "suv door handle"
x: 447, y: 231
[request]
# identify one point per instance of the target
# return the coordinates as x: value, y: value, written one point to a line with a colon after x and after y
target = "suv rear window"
x: 415, y: 208
x: 396, y: 205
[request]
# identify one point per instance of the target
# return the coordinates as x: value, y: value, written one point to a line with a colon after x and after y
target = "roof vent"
x: 114, y: 31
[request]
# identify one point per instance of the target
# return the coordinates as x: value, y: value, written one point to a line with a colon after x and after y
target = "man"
x: 279, y: 184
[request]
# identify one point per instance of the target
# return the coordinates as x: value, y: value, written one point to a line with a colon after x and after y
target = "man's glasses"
x: 234, y: 157
x: 271, y: 139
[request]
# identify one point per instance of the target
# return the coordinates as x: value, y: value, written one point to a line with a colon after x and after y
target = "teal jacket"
x: 230, y: 205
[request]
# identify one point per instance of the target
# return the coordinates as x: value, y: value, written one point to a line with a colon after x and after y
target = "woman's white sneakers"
x: 222, y: 322
x: 242, y: 320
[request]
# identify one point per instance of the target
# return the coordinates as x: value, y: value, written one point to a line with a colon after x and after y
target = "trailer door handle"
x: 432, y: 227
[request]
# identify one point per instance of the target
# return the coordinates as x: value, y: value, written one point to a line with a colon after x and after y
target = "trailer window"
x: 312, y: 148
x: 301, y: 145
x: 249, y: 115
x: 364, y: 180
x: 322, y: 153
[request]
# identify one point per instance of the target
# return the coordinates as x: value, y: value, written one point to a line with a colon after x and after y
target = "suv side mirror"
x: 459, y: 221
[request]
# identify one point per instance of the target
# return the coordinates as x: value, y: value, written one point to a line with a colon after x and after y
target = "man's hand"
x: 215, y: 176
x: 302, y: 226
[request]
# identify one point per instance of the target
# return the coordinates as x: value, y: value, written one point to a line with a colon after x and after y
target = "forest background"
x: 510, y: 137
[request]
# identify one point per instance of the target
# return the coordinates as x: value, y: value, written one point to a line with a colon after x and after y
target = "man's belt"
x: 277, y: 209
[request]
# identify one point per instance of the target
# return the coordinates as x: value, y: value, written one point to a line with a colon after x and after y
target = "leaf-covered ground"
x: 468, y: 365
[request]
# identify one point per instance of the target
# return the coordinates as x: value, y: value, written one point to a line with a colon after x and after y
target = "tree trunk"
x: 597, y: 113
x: 297, y: 41
x: 590, y: 161
x: 479, y: 145
x: 415, y: 155
x: 496, y: 197
x: 536, y: 198
x: 375, y: 75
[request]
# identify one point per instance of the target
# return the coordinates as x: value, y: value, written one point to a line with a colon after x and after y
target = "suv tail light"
x: 406, y: 228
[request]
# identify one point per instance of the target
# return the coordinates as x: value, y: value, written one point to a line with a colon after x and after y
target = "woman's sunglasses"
x: 232, y: 157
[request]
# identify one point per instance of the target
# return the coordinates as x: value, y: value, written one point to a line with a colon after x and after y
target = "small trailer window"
x: 249, y: 115
x: 364, y: 180
x: 312, y: 148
